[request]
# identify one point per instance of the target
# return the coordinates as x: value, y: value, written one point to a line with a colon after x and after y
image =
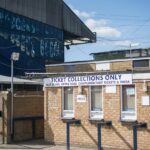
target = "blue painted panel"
x: 35, y: 41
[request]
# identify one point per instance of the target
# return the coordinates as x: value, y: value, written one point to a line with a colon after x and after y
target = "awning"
x: 75, y: 31
x: 7, y: 80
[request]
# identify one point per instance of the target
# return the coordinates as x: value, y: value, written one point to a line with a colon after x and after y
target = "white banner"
x: 85, y: 80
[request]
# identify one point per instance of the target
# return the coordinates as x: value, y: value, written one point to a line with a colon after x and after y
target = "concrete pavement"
x: 40, y: 145
x: 37, y: 145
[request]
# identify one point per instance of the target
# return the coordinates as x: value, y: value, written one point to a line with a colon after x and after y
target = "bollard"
x: 135, y: 126
x: 68, y: 135
x: 134, y: 138
x: 68, y: 123
x: 99, y: 136
x: 99, y: 124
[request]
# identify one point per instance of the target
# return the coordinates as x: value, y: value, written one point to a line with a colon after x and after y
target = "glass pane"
x: 96, y: 98
x: 68, y: 98
x: 128, y: 98
x: 141, y: 63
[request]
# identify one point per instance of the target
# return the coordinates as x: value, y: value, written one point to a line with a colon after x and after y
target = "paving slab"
x: 36, y: 145
x: 40, y: 145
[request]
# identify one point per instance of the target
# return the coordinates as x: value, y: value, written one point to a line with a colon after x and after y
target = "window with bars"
x: 128, y: 111
x: 96, y: 107
x: 128, y: 103
x: 67, y: 96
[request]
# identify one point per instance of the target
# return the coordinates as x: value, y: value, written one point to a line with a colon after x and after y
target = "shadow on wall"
x: 88, y: 133
x: 122, y: 138
x: 115, y: 130
x: 49, y: 133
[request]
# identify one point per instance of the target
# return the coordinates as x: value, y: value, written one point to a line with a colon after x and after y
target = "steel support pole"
x: 134, y: 138
x: 12, y: 97
x: 33, y: 128
x: 68, y: 135
x: 99, y: 136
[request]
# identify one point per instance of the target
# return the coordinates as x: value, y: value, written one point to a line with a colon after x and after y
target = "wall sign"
x: 110, y: 89
x: 145, y: 101
x: 85, y: 80
x: 81, y: 98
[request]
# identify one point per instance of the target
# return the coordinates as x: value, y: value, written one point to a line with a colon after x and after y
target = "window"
x: 68, y: 102
x: 96, y: 107
x: 132, y: 53
x: 69, y: 68
x: 140, y: 63
x: 128, y: 103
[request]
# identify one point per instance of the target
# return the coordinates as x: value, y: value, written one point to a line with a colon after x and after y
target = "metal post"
x: 68, y: 135
x: 134, y: 138
x: 14, y: 57
x: 99, y: 136
x: 130, y: 50
x: 12, y: 94
x: 33, y: 128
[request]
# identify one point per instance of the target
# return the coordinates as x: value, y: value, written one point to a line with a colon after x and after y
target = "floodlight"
x: 15, y: 56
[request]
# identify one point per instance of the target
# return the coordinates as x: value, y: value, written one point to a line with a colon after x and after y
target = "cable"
x: 118, y: 40
x: 116, y: 15
x: 8, y: 47
x: 18, y: 68
x: 138, y: 29
x: 82, y: 51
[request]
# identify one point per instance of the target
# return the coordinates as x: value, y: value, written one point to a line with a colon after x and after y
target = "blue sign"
x: 33, y: 38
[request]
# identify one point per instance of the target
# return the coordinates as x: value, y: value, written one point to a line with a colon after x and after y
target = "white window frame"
x: 96, y: 115
x: 67, y: 114
x: 128, y: 115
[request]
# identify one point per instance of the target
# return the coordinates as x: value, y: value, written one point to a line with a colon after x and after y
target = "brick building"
x: 28, y: 110
x: 115, y: 90
x: 37, y: 30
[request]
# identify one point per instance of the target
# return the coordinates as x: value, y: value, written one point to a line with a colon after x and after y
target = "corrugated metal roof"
x: 7, y: 80
x: 76, y: 32
x: 55, y: 13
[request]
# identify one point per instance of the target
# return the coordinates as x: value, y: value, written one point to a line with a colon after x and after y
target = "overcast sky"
x: 118, y: 24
